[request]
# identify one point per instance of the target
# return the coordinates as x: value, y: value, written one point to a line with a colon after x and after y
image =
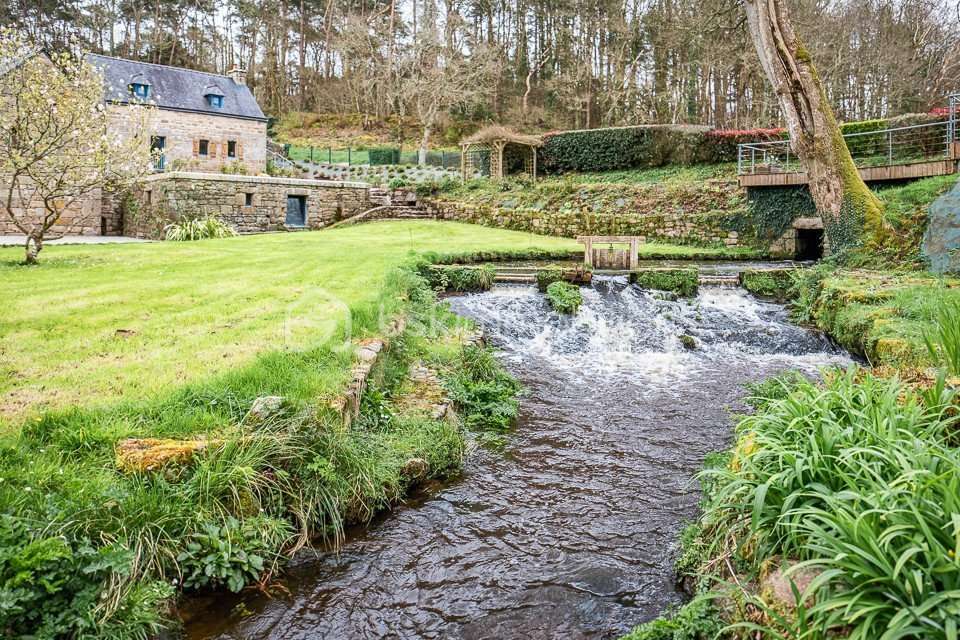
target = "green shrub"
x: 483, y: 392
x: 621, y: 148
x: 459, y: 278
x: 50, y: 588
x: 696, y: 620
x: 564, y: 297
x: 546, y: 277
x: 234, y: 168
x: 383, y: 155
x: 198, y: 229
x: 683, y: 282
x: 233, y: 554
x: 398, y: 183
x: 769, y: 283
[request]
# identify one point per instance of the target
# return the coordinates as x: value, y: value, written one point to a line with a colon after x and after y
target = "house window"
x: 142, y: 91
x: 231, y: 148
x: 248, y: 199
x: 149, y: 196
x: 215, y: 101
x: 204, y: 147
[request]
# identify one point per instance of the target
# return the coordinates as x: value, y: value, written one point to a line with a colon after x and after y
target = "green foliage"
x: 696, y: 620
x: 858, y: 481
x: 398, y: 183
x: 384, y: 155
x: 683, y: 282
x: 234, y: 168
x: 232, y: 554
x: 546, y: 277
x: 50, y: 588
x: 459, y: 278
x: 771, y: 210
x: 769, y: 283
x: 198, y: 229
x: 620, y: 148
x: 564, y: 297
x: 430, y: 188
x: 943, y: 342
x: 484, y: 392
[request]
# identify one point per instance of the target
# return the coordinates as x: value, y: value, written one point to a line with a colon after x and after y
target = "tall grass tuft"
x: 858, y: 481
x: 198, y: 229
x: 943, y: 343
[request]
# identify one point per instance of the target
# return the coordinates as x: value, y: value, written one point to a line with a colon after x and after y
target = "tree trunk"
x: 847, y: 206
x: 424, y: 142
x: 33, y: 247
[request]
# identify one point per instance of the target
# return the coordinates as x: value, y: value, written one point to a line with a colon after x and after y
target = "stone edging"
x: 230, y: 177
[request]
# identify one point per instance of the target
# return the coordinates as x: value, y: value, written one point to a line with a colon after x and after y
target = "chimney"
x: 238, y: 74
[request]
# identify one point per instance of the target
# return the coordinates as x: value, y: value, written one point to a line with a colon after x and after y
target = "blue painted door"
x: 296, y: 211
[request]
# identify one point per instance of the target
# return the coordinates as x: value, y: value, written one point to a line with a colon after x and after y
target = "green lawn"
x: 93, y: 324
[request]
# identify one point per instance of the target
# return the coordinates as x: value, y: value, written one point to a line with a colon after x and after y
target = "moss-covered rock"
x: 769, y: 283
x: 683, y: 282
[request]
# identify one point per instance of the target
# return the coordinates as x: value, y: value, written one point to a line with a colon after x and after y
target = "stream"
x: 571, y: 530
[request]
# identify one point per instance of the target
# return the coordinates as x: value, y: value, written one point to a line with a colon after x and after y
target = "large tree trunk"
x: 847, y: 206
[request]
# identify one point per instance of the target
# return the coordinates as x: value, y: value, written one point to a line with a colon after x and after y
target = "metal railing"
x: 278, y: 160
x: 901, y: 145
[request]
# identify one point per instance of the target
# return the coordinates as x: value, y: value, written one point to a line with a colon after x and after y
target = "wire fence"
x: 376, y: 156
x: 902, y: 145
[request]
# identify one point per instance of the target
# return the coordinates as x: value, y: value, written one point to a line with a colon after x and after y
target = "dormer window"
x: 140, y: 90
x: 214, y: 96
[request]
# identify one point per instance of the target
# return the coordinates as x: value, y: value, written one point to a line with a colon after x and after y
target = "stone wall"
x: 182, y: 132
x: 78, y: 217
x: 166, y: 197
x: 678, y: 227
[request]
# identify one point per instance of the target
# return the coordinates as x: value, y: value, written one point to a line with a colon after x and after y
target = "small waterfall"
x: 623, y: 331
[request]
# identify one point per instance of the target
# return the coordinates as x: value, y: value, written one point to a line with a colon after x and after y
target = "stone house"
x: 204, y: 121
x: 212, y: 140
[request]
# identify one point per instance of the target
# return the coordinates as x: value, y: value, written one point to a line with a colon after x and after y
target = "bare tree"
x: 842, y: 198
x: 56, y: 148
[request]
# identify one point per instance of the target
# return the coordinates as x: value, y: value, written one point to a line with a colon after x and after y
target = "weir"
x: 569, y: 530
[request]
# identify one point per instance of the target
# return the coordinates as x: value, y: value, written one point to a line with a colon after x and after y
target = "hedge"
x: 649, y: 146
x: 621, y: 148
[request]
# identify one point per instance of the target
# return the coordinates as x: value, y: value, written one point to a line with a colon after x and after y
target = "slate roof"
x: 175, y: 88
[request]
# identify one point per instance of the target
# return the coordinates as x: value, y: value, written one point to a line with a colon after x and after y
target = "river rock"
x: 776, y: 590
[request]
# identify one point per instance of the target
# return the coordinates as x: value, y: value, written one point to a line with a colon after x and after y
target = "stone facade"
x: 250, y: 204
x: 81, y: 217
x: 678, y: 227
x: 184, y: 133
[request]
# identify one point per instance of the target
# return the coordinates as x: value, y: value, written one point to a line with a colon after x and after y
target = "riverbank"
x: 110, y: 510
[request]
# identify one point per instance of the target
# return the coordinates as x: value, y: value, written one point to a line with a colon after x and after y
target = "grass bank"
x: 90, y: 551
x: 100, y: 324
x: 880, y: 315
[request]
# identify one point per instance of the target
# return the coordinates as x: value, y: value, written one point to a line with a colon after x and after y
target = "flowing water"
x: 570, y: 531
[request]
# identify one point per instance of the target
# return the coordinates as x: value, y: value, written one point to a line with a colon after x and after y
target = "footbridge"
x: 902, y: 153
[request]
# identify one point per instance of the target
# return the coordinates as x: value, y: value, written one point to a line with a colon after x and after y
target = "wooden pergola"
x: 499, y: 151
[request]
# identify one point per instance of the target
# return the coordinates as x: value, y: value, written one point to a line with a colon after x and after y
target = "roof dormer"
x: 213, y: 96
x: 139, y: 86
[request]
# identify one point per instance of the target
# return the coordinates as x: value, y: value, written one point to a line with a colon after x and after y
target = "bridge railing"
x: 902, y: 145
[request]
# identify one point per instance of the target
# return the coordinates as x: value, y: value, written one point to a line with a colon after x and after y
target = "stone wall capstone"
x: 675, y: 227
x: 250, y: 204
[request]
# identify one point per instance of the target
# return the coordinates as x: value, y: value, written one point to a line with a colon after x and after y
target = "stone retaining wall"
x: 167, y: 197
x: 678, y: 227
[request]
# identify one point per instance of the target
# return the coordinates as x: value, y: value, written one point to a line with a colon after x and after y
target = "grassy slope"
x: 99, y: 323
